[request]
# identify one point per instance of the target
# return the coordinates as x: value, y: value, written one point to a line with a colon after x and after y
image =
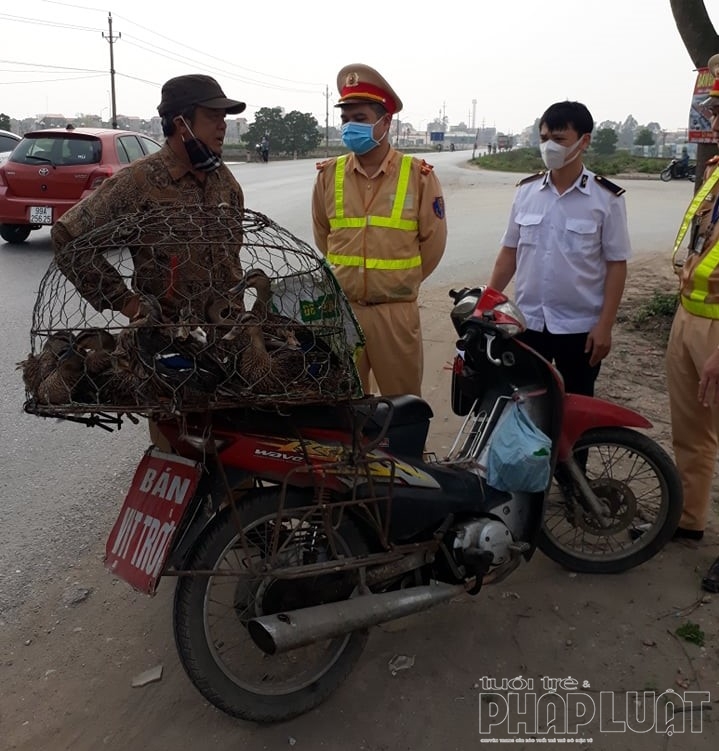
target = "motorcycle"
x: 292, y: 531
x: 679, y: 170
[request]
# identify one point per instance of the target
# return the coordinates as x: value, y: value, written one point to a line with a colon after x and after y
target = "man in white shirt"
x: 568, y: 243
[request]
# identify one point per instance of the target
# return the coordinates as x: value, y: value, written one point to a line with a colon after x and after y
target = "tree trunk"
x: 696, y: 30
x: 701, y: 41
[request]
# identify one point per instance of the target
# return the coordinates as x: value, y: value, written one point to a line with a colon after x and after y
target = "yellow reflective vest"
x: 699, y: 273
x: 381, y: 230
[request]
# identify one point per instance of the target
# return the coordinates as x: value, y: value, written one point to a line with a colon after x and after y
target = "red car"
x: 51, y: 170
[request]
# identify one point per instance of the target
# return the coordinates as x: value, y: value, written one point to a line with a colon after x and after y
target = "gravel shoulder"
x: 70, y: 652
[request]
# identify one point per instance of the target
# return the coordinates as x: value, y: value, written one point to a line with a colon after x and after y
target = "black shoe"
x: 688, y: 534
x: 711, y: 581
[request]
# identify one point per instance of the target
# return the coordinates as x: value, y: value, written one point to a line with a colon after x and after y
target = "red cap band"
x: 364, y: 90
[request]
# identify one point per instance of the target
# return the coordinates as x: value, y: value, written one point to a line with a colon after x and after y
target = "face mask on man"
x: 556, y: 156
x: 359, y: 137
x: 200, y: 155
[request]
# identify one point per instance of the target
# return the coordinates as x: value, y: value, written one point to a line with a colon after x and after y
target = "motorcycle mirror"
x: 457, y: 294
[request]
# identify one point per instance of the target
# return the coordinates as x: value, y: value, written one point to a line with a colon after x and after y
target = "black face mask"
x: 200, y: 155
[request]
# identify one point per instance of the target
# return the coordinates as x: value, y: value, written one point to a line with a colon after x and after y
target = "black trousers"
x: 566, y: 351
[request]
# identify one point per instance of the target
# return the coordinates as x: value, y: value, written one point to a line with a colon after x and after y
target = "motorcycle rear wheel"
x: 639, y: 485
x: 666, y: 174
x: 211, y: 612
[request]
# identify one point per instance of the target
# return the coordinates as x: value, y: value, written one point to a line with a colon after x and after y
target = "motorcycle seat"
x: 407, y: 409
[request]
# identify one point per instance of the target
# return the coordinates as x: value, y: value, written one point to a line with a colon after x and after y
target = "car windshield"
x: 59, y: 150
x: 7, y: 142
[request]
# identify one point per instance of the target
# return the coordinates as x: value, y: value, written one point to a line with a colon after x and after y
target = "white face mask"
x: 556, y: 156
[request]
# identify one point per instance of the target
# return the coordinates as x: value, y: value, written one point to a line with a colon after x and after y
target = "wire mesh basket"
x: 234, y: 311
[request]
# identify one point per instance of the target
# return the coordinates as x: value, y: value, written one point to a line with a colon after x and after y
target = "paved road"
x: 62, y: 485
x: 58, y: 477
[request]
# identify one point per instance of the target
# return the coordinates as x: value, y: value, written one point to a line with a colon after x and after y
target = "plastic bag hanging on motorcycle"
x: 519, y: 454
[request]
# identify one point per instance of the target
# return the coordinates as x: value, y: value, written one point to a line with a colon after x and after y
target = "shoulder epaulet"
x: 425, y: 168
x: 609, y: 185
x: 713, y: 160
x: 322, y: 165
x: 531, y: 178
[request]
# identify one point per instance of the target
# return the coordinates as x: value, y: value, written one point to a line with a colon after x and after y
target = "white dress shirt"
x: 563, y: 244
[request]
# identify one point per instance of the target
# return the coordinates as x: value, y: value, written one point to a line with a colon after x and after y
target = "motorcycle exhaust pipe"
x: 281, y: 632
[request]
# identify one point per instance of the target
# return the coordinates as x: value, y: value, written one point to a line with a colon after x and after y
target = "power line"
x: 277, y: 83
x: 51, y: 80
x: 175, y: 56
x: 185, y: 60
x: 222, y: 60
x: 42, y: 22
x: 52, y: 67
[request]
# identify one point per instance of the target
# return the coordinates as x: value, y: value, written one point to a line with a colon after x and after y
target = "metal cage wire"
x: 236, y: 311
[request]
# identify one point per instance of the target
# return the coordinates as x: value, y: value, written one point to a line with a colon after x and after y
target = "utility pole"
x: 327, y: 120
x: 111, y: 41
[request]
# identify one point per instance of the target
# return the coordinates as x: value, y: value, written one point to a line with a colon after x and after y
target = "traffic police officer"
x: 692, y: 347
x: 378, y: 217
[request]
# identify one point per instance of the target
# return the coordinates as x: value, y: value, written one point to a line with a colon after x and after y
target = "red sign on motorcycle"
x: 141, y: 539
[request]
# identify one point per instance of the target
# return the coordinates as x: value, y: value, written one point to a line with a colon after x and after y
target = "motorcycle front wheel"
x: 666, y: 174
x: 638, y: 487
x: 211, y: 610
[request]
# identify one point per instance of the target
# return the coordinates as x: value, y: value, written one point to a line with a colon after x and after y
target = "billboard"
x: 699, y: 126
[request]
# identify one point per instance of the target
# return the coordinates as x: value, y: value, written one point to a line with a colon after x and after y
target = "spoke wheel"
x: 212, y: 612
x: 638, y: 488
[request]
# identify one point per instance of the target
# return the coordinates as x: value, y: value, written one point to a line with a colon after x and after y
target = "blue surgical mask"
x: 359, y: 137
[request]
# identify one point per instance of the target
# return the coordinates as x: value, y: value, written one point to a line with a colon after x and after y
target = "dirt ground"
x: 68, y: 659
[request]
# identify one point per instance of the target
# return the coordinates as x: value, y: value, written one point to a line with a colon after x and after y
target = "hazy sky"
x: 619, y: 57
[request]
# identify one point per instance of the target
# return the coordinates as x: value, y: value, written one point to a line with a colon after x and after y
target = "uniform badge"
x: 438, y: 207
x: 424, y: 168
x: 352, y: 79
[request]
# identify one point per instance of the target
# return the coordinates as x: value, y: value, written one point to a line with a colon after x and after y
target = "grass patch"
x: 653, y: 314
x: 528, y: 160
x: 691, y: 632
x: 659, y: 305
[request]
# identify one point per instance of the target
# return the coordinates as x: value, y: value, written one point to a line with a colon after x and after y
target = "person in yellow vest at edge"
x: 692, y: 359
x: 378, y: 216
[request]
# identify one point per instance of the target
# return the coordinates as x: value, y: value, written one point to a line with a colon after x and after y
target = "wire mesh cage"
x: 234, y: 311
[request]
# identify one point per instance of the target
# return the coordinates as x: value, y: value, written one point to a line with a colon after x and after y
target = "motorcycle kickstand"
x: 588, y: 497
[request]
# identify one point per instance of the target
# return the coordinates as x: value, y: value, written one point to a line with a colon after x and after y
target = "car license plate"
x: 40, y: 215
x: 141, y: 540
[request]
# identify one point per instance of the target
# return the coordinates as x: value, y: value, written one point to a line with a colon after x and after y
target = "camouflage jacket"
x: 182, y: 255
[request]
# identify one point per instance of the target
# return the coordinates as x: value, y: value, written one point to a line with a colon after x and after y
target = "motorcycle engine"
x: 487, y: 536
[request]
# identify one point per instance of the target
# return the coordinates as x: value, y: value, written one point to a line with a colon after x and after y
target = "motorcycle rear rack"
x: 474, y: 433
x: 373, y: 506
